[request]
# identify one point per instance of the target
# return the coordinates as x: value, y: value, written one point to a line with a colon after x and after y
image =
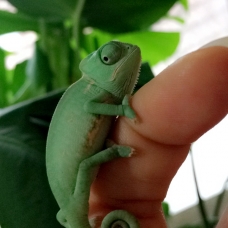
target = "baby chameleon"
x: 79, y: 129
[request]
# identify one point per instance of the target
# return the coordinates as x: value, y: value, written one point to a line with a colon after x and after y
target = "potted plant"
x: 66, y: 32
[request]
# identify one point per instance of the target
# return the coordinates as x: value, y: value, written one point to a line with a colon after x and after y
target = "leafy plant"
x: 206, y: 221
x: 67, y: 31
x: 25, y: 197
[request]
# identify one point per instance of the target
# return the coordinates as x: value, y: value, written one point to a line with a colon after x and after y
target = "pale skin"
x: 173, y: 110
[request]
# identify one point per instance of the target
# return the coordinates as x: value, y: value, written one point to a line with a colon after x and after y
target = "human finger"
x: 173, y: 110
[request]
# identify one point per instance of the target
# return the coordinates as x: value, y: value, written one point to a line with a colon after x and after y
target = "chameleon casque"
x: 79, y: 129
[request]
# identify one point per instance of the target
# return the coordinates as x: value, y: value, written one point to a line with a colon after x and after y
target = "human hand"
x: 173, y: 110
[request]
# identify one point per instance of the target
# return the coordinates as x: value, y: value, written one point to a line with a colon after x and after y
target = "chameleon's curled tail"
x: 119, y: 219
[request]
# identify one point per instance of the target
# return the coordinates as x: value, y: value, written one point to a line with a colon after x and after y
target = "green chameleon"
x: 79, y: 130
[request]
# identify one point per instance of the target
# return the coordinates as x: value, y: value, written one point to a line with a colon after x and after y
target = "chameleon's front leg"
x: 76, y: 212
x: 123, y: 109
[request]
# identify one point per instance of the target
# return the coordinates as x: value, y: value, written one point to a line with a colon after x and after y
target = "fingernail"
x: 219, y: 42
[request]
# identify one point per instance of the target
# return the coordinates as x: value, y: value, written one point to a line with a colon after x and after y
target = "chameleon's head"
x: 114, y: 67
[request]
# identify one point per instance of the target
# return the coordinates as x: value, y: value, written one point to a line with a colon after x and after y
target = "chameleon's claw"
x: 132, y: 152
x: 124, y: 151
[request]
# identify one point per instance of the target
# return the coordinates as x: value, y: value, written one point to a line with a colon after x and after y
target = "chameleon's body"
x: 80, y: 126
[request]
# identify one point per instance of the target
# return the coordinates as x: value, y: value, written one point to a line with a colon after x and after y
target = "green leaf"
x: 11, y: 22
x: 55, y: 45
x: 165, y: 208
x: 38, y: 70
x: 25, y: 195
x: 52, y: 10
x: 155, y: 46
x: 31, y: 78
x: 21, y: 87
x: 177, y: 19
x: 3, y: 80
x: 184, y: 3
x: 19, y: 76
x: 124, y: 16
x: 94, y: 39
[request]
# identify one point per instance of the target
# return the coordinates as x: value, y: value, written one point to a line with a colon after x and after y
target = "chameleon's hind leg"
x: 88, y: 166
x: 78, y: 206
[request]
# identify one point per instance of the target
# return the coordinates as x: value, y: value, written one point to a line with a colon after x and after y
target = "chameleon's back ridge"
x: 79, y: 129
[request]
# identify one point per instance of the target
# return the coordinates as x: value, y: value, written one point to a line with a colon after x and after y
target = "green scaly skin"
x: 79, y: 128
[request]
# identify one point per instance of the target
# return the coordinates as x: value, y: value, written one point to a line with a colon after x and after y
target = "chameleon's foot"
x: 123, y: 151
x: 127, y: 110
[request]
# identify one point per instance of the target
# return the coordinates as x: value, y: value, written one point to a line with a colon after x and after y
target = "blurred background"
x: 204, y: 21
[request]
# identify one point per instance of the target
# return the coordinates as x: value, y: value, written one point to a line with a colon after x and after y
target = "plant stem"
x: 219, y: 201
x: 76, y: 23
x: 201, y: 203
x: 75, y: 40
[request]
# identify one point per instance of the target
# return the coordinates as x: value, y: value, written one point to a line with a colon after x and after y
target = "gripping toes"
x: 124, y: 151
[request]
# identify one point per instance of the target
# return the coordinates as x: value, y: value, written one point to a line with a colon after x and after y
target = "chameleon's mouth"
x: 131, y: 82
x: 137, y: 78
x: 131, y: 55
x: 128, y: 72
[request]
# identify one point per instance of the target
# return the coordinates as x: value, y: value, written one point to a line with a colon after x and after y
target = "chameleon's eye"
x: 110, y: 54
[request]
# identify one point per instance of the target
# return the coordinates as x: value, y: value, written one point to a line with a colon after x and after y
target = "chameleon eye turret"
x: 110, y: 54
x: 113, y: 67
x: 80, y: 126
